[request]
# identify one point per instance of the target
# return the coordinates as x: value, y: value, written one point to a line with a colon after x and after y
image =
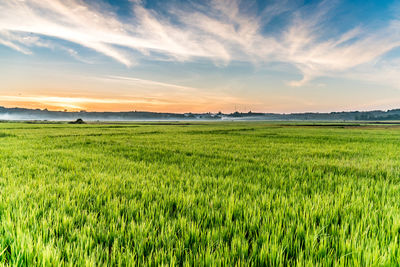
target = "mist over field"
x: 21, y: 114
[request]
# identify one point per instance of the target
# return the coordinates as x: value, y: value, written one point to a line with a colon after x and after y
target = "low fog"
x: 22, y: 114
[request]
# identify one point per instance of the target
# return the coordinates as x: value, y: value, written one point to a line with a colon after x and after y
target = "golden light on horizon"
x: 104, y: 104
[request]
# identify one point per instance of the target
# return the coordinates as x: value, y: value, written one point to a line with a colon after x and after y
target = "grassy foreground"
x: 205, y: 194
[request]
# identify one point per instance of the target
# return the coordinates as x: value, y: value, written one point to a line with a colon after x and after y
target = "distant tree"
x: 78, y: 121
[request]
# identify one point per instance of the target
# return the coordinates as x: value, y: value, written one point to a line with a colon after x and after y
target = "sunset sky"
x: 200, y: 56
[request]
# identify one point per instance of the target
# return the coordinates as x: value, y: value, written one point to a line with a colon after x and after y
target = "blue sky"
x: 200, y: 56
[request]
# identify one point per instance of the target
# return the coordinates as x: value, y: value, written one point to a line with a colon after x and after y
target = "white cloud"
x: 15, y: 46
x: 151, y: 83
x: 219, y: 30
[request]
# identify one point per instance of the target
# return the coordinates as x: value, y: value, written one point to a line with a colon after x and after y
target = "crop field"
x: 199, y: 194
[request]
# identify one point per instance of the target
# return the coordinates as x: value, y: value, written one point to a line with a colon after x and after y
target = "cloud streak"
x: 218, y: 30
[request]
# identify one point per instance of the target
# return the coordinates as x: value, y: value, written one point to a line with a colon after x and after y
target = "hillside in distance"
x: 24, y: 114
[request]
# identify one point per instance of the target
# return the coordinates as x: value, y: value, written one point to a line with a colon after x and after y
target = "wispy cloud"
x: 174, y: 93
x: 219, y: 30
x: 151, y: 83
x: 316, y: 56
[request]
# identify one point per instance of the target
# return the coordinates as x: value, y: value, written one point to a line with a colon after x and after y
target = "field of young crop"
x: 201, y: 193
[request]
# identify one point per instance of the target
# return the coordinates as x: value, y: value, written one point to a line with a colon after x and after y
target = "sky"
x: 200, y: 56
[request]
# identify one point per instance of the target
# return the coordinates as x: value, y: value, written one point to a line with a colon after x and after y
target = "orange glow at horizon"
x: 113, y: 105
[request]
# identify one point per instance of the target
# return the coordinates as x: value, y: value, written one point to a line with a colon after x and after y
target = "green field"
x: 201, y: 193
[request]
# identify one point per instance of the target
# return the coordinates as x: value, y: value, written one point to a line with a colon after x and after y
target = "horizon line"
x: 191, y: 112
